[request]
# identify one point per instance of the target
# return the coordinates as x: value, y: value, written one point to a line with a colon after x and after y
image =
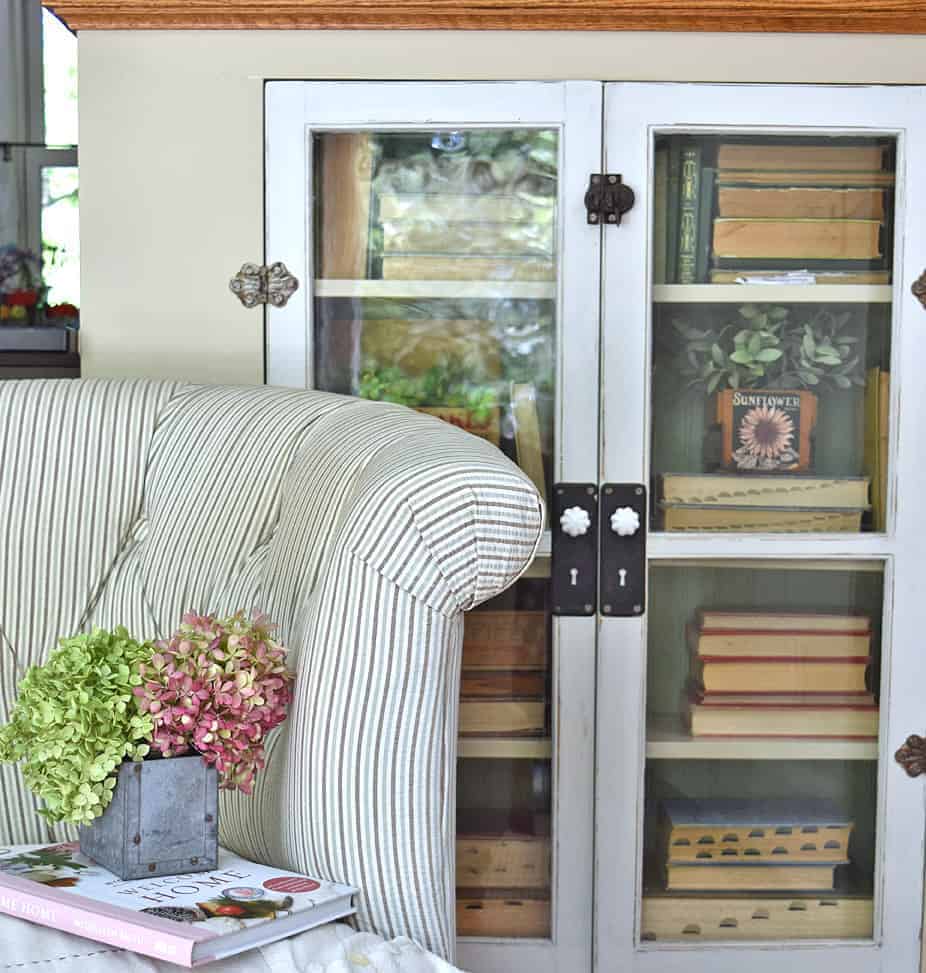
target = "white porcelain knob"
x: 575, y: 521
x: 625, y: 521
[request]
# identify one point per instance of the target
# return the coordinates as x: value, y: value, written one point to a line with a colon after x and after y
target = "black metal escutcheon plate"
x: 623, y: 558
x: 575, y: 559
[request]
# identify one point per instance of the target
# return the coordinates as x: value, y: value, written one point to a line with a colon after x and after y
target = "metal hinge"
x: 607, y: 198
x: 259, y: 284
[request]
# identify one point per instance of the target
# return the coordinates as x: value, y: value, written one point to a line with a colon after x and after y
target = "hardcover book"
x: 756, y: 490
x: 189, y: 920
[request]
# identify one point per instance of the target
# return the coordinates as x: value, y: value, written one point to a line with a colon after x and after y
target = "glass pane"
x: 59, y: 56
x: 761, y: 770
x: 436, y: 278
x: 504, y: 773
x: 771, y: 332
x: 60, y: 235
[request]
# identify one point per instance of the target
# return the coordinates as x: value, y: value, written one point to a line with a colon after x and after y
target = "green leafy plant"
x: 446, y: 383
x: 75, y: 720
x: 768, y: 347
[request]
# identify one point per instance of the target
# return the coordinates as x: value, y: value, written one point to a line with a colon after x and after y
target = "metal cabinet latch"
x: 574, y: 570
x: 259, y: 284
x: 623, y: 549
x: 607, y: 198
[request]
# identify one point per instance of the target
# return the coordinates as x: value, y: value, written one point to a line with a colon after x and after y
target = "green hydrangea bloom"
x: 75, y: 720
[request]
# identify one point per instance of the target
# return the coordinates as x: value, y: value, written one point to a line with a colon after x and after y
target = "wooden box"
x: 504, y: 916
x: 688, y: 918
x: 505, y: 640
x: 508, y: 862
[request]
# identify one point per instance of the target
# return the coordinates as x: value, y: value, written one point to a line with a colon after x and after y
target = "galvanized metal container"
x: 163, y: 820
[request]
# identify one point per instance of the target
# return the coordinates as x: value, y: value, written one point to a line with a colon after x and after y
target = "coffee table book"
x: 189, y: 920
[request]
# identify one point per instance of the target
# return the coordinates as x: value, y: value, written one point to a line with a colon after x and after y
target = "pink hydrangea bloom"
x: 217, y: 687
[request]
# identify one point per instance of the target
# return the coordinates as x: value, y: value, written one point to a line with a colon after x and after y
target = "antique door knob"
x: 625, y: 521
x: 912, y: 755
x: 575, y: 521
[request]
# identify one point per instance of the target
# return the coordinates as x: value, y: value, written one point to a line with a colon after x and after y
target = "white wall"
x: 171, y: 153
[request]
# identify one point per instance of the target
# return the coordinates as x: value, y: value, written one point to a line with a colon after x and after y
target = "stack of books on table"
x: 754, y: 845
x: 815, y: 209
x: 466, y: 236
x: 752, y: 501
x: 780, y: 674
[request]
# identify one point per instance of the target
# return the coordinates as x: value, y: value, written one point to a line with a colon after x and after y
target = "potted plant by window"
x: 131, y: 740
x: 763, y: 367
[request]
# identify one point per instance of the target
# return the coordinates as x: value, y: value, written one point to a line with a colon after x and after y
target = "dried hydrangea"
x: 217, y: 687
x: 75, y: 720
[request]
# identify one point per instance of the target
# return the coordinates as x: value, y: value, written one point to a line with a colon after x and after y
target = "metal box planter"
x: 163, y: 820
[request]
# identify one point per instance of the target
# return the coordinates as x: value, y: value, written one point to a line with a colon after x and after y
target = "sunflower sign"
x: 767, y: 431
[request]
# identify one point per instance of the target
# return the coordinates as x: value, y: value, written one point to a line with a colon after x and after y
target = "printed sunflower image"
x: 766, y: 440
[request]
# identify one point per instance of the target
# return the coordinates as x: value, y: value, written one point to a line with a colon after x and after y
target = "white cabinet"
x: 706, y: 782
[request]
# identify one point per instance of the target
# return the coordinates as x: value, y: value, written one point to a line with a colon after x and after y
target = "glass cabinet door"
x: 448, y: 267
x: 757, y: 317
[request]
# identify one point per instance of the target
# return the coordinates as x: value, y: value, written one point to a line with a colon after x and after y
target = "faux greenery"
x: 444, y: 384
x: 75, y: 720
x: 769, y: 347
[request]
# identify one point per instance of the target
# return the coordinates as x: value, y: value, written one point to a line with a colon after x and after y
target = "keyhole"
x: 622, y: 575
x: 573, y: 576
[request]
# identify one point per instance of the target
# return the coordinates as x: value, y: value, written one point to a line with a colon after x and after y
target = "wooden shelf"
x: 772, y: 293
x: 456, y: 289
x: 666, y: 740
x: 505, y: 748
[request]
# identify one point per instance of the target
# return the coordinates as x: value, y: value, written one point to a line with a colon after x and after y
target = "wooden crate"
x: 509, y: 862
x: 505, y: 640
x: 502, y: 717
x: 505, y: 918
x: 692, y: 918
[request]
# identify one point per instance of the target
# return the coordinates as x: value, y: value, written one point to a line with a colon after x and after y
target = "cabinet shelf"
x: 424, y: 289
x: 505, y: 748
x: 666, y: 740
x: 772, y: 293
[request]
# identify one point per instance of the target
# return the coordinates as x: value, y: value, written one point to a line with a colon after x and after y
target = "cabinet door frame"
x: 294, y: 110
x: 633, y: 113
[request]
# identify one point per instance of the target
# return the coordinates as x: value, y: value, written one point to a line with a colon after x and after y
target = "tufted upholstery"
x: 364, y: 530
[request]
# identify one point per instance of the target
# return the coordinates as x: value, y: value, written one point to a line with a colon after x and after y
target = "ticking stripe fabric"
x: 364, y: 530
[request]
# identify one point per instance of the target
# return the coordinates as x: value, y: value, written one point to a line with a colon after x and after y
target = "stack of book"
x: 466, y: 236
x: 779, y: 674
x: 814, y: 208
x: 751, y: 501
x: 754, y: 845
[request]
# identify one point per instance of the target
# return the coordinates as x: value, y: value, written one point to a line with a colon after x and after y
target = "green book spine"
x: 689, y: 200
x: 675, y: 171
x: 705, y: 225
x: 660, y: 202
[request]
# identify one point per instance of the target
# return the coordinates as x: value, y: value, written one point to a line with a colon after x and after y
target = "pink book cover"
x: 185, y: 919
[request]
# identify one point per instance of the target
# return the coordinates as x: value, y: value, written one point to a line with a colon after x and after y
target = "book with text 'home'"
x: 189, y: 920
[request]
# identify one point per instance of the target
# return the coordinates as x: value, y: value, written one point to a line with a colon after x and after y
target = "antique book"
x: 502, y: 717
x: 782, y: 621
x: 689, y: 202
x: 876, y: 432
x: 503, y: 913
x: 464, y: 267
x: 716, y: 716
x: 694, y: 818
x: 680, y: 516
x: 345, y: 177
x: 705, y: 224
x: 660, y: 210
x: 527, y: 435
x: 674, y: 166
x: 745, y: 674
x: 509, y: 861
x: 411, y: 237
x: 770, y: 277
x: 189, y: 920
x: 797, y: 239
x: 820, y: 177
x: 766, y: 431
x: 770, y: 645
x: 742, y: 917
x: 756, y: 490
x: 795, y: 202
x: 504, y: 640
x: 455, y: 207
x: 721, y: 876
x: 780, y: 155
x: 478, y: 683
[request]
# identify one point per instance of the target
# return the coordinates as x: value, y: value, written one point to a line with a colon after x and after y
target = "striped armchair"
x: 364, y: 530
